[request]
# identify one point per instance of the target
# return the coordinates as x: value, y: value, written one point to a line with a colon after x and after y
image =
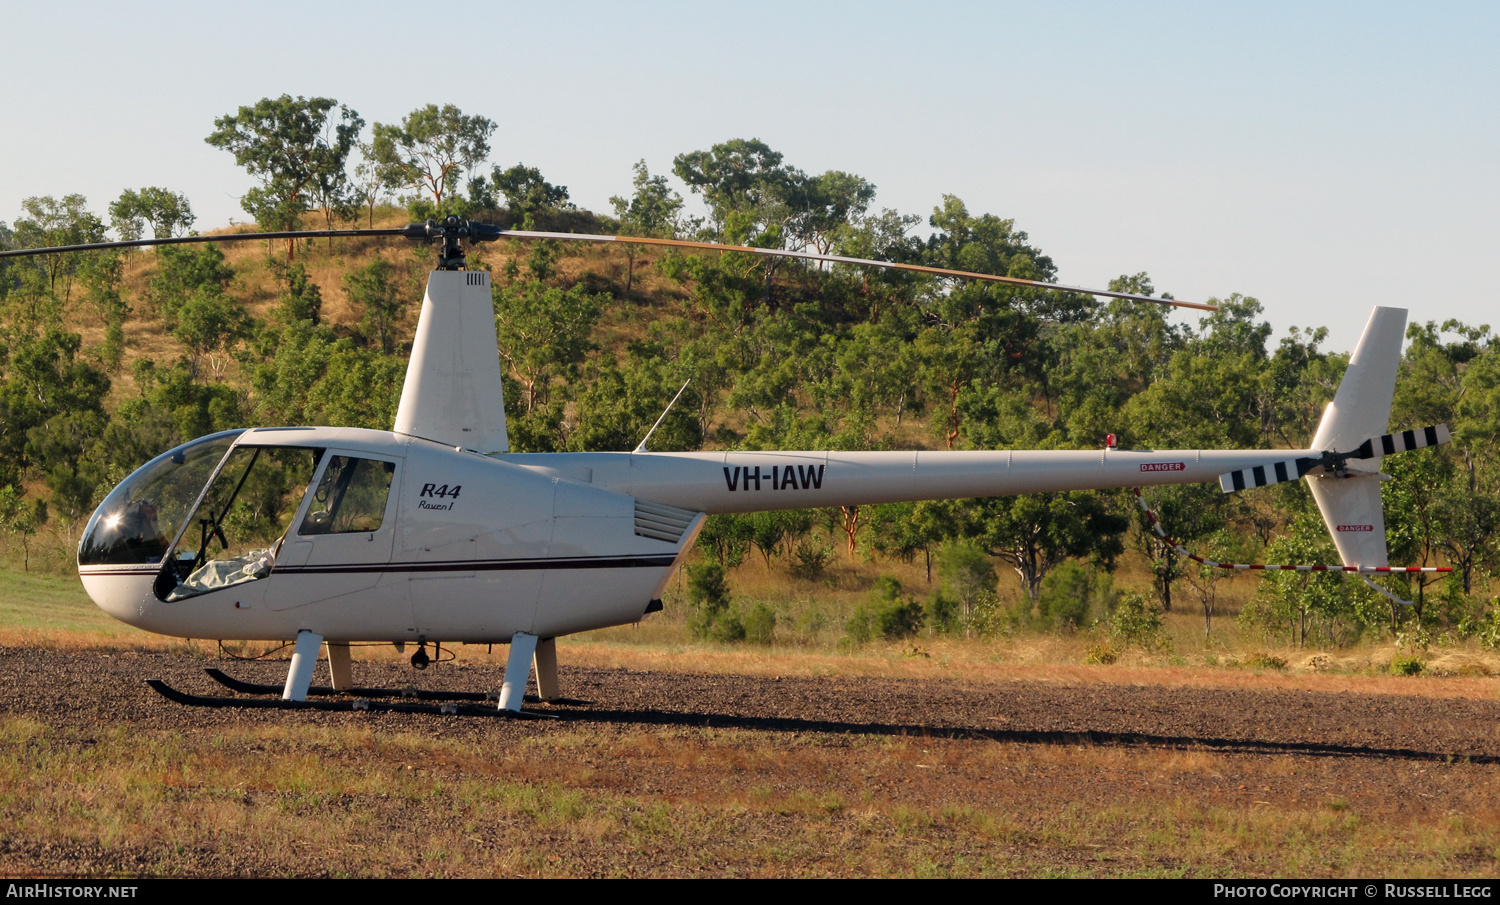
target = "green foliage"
x: 943, y: 614
x: 525, y: 192
x: 740, y: 175
x: 296, y: 148
x: 1406, y: 666
x: 760, y: 624
x: 21, y: 518
x: 707, y: 586
x: 1189, y: 514
x: 1307, y: 604
x: 712, y: 617
x: 301, y: 300
x: 177, y: 407
x: 888, y: 615
x: 182, y: 271
x: 1073, y: 595
x: 208, y: 322
x: 1137, y: 622
x: 44, y: 380
x: 1100, y: 655
x: 968, y: 576
x: 50, y: 222
x: 166, y: 211
x: 653, y: 210
x: 378, y: 296
x: 432, y: 149
x: 809, y: 561
x: 1483, y: 624
x: 1036, y: 532
x: 544, y: 335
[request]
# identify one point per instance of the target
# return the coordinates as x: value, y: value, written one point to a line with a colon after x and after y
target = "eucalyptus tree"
x: 51, y: 221
x: 168, y: 213
x: 296, y: 148
x: 653, y: 211
x: 432, y: 150
x: 741, y: 175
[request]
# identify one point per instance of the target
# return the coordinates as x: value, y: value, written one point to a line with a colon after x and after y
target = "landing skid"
x: 234, y: 684
x: 346, y: 705
x: 414, y: 694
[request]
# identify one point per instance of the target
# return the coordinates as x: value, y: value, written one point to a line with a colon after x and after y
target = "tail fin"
x: 1360, y: 410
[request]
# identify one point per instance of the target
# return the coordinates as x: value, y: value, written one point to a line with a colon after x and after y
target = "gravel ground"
x: 1405, y: 755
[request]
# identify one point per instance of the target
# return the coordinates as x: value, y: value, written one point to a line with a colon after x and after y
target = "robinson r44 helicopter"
x: 434, y: 532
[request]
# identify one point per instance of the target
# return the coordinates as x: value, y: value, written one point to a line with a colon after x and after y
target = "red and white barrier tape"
x: 1368, y: 570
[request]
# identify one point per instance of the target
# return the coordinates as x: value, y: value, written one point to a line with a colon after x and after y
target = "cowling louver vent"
x: 662, y: 522
x: 477, y: 278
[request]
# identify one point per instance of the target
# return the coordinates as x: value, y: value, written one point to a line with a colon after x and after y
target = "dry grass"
x: 266, y: 800
x: 1037, y: 660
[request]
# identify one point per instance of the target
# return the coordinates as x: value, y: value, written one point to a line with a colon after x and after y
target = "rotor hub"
x: 453, y: 231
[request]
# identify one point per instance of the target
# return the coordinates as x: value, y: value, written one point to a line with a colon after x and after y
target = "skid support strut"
x: 517, y: 670
x: 304, y: 658
x: 545, y: 662
x: 340, y: 671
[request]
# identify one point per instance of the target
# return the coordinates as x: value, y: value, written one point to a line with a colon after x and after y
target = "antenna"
x: 642, y: 448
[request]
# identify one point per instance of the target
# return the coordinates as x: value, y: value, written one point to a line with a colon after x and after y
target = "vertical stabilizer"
x: 1361, y: 409
x: 453, y: 391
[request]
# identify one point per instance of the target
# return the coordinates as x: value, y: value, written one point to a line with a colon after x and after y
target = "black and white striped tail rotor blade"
x: 1261, y: 475
x: 1332, y: 463
x: 1404, y: 441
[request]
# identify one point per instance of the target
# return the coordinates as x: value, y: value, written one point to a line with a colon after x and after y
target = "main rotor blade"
x: 840, y: 259
x: 480, y: 232
x: 193, y: 240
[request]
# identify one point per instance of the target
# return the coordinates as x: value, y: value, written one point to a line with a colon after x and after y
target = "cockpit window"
x: 138, y: 520
x: 236, y: 531
x: 350, y: 498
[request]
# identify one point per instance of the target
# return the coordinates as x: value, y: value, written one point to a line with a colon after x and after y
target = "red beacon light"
x: 1111, y: 442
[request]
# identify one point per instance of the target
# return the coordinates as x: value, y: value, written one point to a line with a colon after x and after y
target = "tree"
x: 21, y: 518
x: 1189, y: 513
x: 100, y: 275
x: 741, y: 175
x: 375, y: 291
x: 826, y: 205
x: 543, y: 335
x: 50, y: 222
x: 208, y: 321
x: 432, y: 149
x: 652, y: 212
x: 902, y: 530
x: 369, y: 182
x: 525, y: 191
x: 165, y: 211
x: 44, y: 379
x: 1035, y: 532
x: 296, y: 148
x: 301, y: 299
x: 182, y: 270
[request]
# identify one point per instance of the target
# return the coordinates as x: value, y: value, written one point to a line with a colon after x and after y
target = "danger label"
x: 1163, y: 466
x: 1356, y: 528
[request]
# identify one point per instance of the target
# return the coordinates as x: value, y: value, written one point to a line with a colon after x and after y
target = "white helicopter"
x: 434, y: 532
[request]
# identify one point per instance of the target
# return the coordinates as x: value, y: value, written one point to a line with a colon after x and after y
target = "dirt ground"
x: 826, y: 776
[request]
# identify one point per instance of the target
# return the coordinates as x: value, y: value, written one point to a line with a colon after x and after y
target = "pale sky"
x: 1323, y: 158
